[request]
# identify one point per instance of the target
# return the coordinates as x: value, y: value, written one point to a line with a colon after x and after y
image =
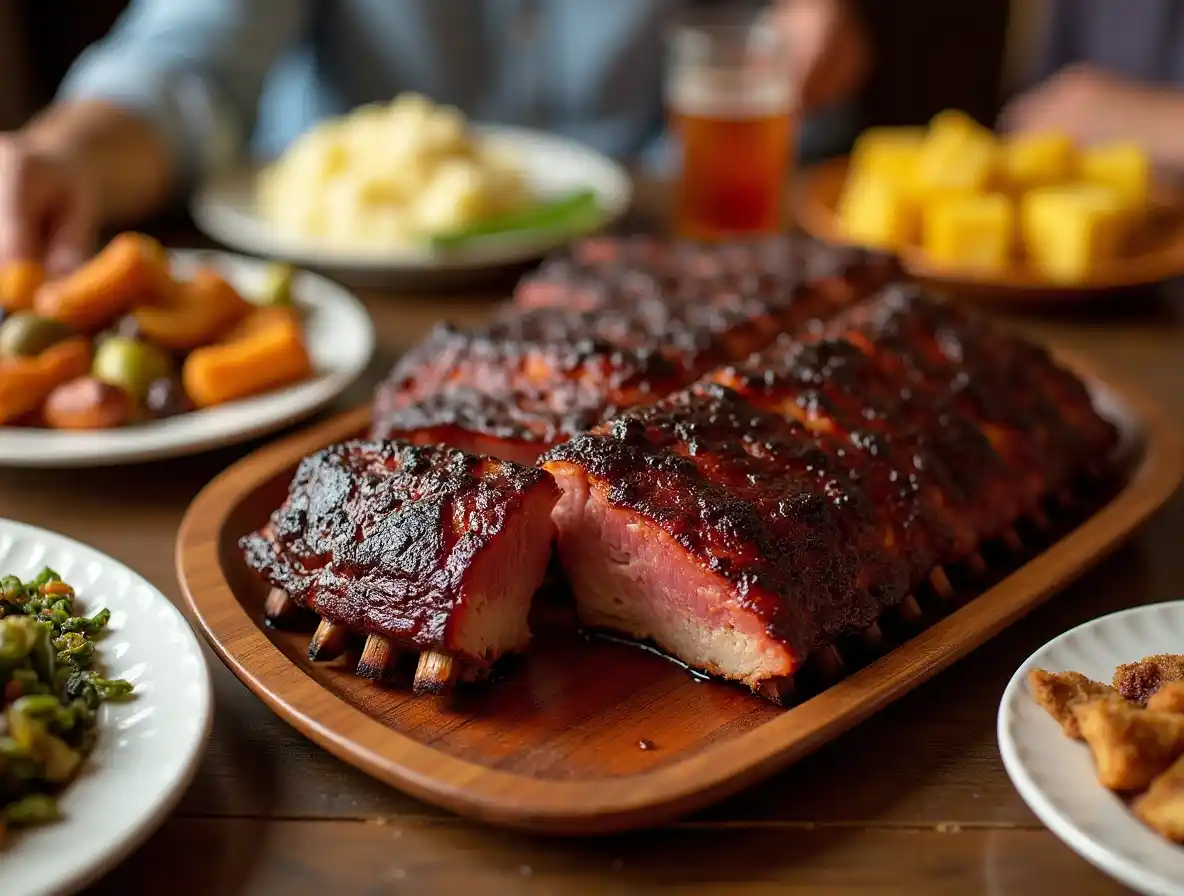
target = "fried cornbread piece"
x: 1161, y: 808
x: 1130, y: 745
x: 1059, y: 692
x: 1138, y: 681
x: 1169, y: 698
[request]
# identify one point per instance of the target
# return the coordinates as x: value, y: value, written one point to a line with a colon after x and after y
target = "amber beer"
x: 731, y: 106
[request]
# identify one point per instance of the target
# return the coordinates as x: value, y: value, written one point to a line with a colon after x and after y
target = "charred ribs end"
x: 767, y: 510
x: 430, y: 547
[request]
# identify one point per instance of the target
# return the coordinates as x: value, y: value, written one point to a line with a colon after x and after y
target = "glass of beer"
x: 732, y: 104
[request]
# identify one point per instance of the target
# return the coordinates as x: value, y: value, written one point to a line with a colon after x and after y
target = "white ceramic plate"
x: 340, y: 338
x: 148, y: 748
x: 1055, y: 775
x: 225, y: 210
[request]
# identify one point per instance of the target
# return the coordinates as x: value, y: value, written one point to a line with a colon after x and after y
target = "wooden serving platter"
x: 586, y: 736
x: 1158, y: 256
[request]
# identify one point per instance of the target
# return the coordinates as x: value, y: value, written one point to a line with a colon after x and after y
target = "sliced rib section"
x: 428, y: 547
x: 779, y: 504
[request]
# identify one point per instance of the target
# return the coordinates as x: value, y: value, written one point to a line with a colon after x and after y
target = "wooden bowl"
x: 1158, y: 256
x: 586, y: 736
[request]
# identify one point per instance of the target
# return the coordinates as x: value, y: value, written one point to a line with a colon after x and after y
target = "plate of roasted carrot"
x: 1091, y: 729
x: 144, y: 353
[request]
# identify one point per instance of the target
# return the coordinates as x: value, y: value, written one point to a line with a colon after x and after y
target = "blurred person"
x: 1101, y: 71
x: 181, y: 87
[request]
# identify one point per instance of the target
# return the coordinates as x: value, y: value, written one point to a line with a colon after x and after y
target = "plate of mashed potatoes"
x: 412, y: 187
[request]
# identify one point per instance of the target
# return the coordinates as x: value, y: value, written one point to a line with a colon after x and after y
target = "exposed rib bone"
x: 279, y: 607
x: 779, y: 690
x: 1012, y: 541
x: 941, y: 583
x: 378, y: 660
x: 872, y: 636
x: 910, y: 610
x: 976, y: 564
x: 830, y: 661
x: 436, y: 674
x: 328, y: 642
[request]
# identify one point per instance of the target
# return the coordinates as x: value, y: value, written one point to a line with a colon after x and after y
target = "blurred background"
x: 914, y: 39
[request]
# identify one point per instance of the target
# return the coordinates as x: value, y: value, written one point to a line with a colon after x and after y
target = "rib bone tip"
x: 976, y: 564
x: 379, y: 657
x: 278, y: 605
x: 779, y: 690
x: 910, y: 610
x: 941, y: 583
x: 328, y: 642
x: 829, y: 661
x: 1012, y: 540
x: 436, y: 674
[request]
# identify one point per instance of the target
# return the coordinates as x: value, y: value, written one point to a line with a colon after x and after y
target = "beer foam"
x: 731, y: 94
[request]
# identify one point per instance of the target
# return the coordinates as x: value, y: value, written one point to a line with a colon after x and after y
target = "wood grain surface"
x: 915, y: 799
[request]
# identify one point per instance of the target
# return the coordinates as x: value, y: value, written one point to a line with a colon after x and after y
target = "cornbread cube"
x: 1068, y: 231
x: 958, y: 155
x: 887, y: 152
x: 970, y: 231
x: 877, y: 211
x: 1037, y: 160
x: 953, y: 120
x: 1123, y: 167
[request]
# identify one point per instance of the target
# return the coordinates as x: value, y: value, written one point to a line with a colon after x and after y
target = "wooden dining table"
x: 915, y: 798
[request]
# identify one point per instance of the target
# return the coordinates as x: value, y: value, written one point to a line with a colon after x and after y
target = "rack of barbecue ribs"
x: 417, y: 548
x: 600, y: 272
x: 748, y: 522
x: 616, y: 323
x: 745, y: 468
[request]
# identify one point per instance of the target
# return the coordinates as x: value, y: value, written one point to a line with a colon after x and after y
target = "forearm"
x: 121, y: 157
x: 1156, y: 122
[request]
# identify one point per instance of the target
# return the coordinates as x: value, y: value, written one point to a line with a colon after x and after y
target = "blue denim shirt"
x: 217, y: 76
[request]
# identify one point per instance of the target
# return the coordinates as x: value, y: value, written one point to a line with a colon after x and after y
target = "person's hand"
x: 829, y: 49
x: 1089, y: 105
x: 48, y: 211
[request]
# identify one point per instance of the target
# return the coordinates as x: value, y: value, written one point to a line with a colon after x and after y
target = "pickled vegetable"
x: 51, y: 691
x: 167, y: 398
x: 277, y: 287
x: 24, y: 334
x: 88, y: 403
x: 131, y: 365
x: 26, y: 383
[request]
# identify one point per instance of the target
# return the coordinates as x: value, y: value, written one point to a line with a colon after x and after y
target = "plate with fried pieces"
x: 411, y: 189
x: 105, y: 704
x: 1091, y: 729
x: 143, y: 353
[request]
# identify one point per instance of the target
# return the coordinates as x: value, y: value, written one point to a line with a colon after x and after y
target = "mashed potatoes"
x: 388, y: 175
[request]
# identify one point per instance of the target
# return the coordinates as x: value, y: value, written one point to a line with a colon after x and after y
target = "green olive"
x: 130, y: 364
x: 25, y: 334
x: 277, y: 286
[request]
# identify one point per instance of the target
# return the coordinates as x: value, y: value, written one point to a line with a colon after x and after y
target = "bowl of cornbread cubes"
x: 1026, y: 214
